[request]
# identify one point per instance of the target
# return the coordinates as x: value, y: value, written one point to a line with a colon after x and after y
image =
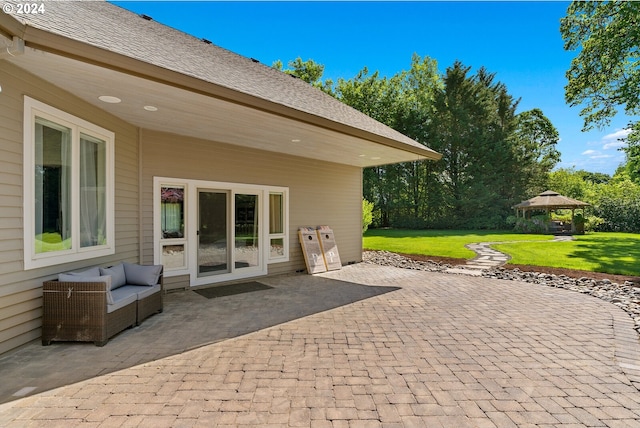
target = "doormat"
x: 230, y: 290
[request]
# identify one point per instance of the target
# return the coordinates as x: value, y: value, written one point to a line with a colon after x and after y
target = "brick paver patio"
x: 367, y: 346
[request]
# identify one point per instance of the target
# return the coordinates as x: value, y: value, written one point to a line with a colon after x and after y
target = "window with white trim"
x: 68, y: 187
x: 173, y: 239
x: 278, y: 226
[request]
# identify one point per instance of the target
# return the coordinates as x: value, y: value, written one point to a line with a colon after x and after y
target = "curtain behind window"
x: 93, y: 197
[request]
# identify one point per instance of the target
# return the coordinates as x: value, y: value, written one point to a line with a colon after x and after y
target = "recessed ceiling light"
x: 376, y: 158
x: 295, y: 140
x: 109, y: 99
x: 151, y: 108
x: 362, y: 156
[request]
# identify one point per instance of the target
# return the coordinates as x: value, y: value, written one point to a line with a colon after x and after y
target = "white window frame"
x: 78, y: 126
x: 285, y: 226
x: 159, y: 241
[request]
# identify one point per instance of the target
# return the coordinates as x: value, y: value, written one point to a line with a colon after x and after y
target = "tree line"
x: 614, y: 200
x: 492, y: 157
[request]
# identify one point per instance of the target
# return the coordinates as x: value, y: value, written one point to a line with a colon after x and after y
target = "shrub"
x: 536, y: 224
x: 618, y: 215
x: 592, y: 223
x: 367, y: 214
x: 486, y: 222
x: 409, y: 222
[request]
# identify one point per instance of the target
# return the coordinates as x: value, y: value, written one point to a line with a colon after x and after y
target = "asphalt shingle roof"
x: 112, y: 28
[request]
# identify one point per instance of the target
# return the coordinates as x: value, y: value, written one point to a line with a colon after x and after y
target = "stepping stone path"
x: 488, y: 258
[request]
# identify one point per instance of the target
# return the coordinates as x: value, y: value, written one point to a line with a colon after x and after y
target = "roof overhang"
x: 191, y: 107
x: 549, y: 207
x: 550, y: 200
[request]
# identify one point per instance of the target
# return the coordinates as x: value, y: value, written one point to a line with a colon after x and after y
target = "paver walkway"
x: 427, y: 350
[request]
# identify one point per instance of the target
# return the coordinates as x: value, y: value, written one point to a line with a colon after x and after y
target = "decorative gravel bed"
x: 625, y: 295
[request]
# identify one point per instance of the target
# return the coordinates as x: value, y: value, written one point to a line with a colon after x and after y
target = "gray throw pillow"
x: 118, y: 277
x: 142, y: 275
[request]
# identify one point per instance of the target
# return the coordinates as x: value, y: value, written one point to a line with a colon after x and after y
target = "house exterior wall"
x: 320, y: 193
x: 21, y: 290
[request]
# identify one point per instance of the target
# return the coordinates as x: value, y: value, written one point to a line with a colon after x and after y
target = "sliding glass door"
x: 228, y: 232
x: 213, y: 232
x: 247, y: 237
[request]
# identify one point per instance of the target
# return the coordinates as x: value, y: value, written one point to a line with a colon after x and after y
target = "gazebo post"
x: 548, y: 222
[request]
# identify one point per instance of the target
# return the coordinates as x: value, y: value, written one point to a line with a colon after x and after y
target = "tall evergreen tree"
x: 473, y: 126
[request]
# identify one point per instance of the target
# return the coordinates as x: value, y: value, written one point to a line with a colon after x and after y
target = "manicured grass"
x: 615, y: 253
x: 442, y: 243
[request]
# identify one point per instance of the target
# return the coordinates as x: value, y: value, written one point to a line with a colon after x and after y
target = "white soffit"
x: 156, y: 106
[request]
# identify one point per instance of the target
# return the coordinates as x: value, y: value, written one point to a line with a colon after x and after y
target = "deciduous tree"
x: 535, y: 140
x: 404, y: 102
x: 605, y: 75
x: 309, y: 71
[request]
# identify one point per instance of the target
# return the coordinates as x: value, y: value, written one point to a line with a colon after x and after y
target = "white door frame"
x: 191, y: 188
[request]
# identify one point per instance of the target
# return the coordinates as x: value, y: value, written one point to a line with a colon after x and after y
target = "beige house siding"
x: 320, y: 193
x: 20, y: 290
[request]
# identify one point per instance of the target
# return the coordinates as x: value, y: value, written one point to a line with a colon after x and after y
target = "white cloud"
x: 612, y: 141
x: 614, y: 145
x: 599, y: 154
x: 595, y: 154
x: 621, y: 133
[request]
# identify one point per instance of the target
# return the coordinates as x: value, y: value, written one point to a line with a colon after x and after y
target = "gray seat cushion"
x: 140, y: 291
x: 119, y: 298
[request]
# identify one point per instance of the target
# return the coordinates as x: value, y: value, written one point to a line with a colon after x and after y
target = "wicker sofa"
x: 96, y: 304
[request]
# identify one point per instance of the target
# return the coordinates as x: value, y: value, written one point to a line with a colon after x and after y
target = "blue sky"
x: 519, y: 41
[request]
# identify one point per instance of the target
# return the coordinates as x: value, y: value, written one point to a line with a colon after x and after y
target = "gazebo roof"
x: 550, y: 200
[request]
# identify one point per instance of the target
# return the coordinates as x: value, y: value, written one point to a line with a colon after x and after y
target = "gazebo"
x: 548, y: 201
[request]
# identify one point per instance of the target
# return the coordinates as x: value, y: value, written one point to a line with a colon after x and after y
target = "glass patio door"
x: 213, y: 232
x: 246, y: 252
x: 228, y: 233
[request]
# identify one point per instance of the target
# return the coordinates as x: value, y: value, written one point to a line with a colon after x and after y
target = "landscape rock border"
x: 625, y: 295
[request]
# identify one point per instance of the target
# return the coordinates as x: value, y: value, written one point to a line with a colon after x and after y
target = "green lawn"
x: 615, y: 253
x: 442, y: 243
